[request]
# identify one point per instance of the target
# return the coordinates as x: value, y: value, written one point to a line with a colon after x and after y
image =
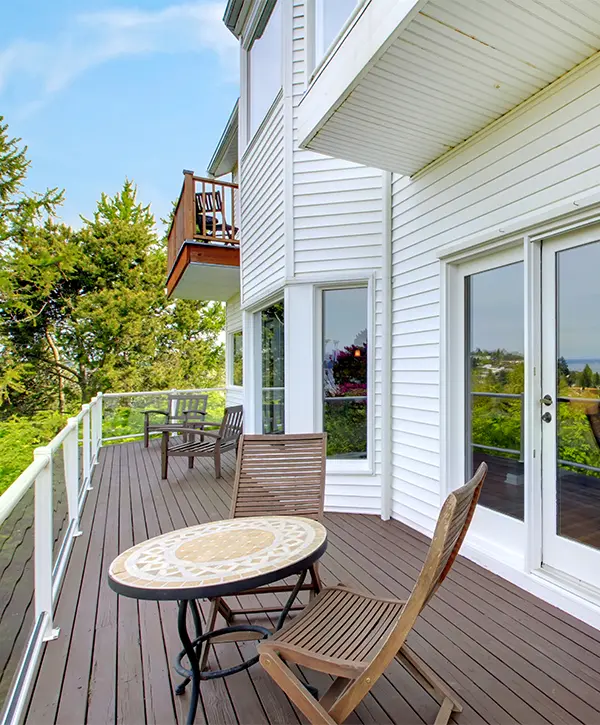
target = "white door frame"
x: 502, y: 536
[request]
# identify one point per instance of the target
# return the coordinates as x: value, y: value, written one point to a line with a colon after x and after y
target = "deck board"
x: 510, y: 657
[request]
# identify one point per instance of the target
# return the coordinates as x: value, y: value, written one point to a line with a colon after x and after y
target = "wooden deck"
x: 509, y: 656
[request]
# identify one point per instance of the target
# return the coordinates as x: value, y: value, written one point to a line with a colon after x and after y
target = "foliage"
x: 19, y: 436
x: 346, y: 426
x: 85, y: 310
x: 350, y: 365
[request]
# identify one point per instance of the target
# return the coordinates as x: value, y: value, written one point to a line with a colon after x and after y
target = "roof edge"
x: 225, y: 155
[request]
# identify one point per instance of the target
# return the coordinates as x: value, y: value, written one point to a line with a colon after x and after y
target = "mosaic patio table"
x: 218, y: 559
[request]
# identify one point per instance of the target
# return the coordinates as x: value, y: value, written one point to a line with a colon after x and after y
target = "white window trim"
x: 347, y: 467
x: 314, y: 64
x: 229, y: 358
x: 248, y: 138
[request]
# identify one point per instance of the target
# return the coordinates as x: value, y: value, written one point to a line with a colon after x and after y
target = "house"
x: 419, y: 189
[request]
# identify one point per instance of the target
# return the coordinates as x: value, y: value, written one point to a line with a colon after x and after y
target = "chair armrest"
x: 195, y: 431
x: 159, y: 412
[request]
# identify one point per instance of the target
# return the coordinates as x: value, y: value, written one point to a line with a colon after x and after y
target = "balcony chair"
x: 276, y: 475
x: 209, y: 207
x: 354, y: 636
x: 192, y: 443
x: 182, y: 408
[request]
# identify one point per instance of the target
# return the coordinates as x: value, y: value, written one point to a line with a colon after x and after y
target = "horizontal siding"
x: 262, y: 209
x: 544, y: 153
x: 233, y: 315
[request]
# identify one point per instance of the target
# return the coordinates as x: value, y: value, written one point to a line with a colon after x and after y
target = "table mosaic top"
x: 218, y: 557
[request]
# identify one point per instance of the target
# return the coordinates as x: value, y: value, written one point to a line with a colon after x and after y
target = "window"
x: 345, y: 313
x: 495, y: 384
x: 237, y: 373
x: 330, y: 17
x: 273, y: 375
x: 264, y: 70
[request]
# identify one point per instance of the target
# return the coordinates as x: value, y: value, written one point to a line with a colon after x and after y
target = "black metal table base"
x: 192, y: 649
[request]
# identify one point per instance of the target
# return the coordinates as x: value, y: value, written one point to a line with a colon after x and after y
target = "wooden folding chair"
x: 276, y: 475
x: 355, y: 636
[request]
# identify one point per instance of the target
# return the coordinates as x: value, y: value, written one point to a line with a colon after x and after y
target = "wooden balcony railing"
x: 205, y: 212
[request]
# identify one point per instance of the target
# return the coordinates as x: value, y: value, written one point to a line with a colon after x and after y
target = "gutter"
x: 386, y: 350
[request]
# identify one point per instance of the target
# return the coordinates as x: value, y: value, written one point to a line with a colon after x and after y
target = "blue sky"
x: 100, y: 90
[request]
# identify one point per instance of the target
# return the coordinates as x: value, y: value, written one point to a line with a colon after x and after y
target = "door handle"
x: 547, y: 417
x: 546, y: 400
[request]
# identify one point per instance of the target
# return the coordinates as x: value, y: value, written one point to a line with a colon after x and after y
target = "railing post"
x: 189, y: 216
x: 87, y: 447
x: 44, y: 544
x: 97, y: 426
x: 71, y: 463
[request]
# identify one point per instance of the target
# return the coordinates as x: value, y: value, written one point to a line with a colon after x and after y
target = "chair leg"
x: 315, y: 581
x: 217, y: 461
x: 164, y: 455
x: 191, y: 462
x: 210, y: 625
x: 146, y: 433
x: 313, y: 710
x: 436, y: 687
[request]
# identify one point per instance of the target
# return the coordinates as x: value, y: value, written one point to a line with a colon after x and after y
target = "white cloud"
x: 94, y: 38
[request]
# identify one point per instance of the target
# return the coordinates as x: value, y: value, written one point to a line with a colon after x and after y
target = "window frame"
x: 231, y: 359
x: 251, y: 133
x: 317, y: 52
x: 338, y: 465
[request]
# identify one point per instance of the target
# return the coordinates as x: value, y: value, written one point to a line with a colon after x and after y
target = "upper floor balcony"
x: 204, y: 241
x: 408, y: 80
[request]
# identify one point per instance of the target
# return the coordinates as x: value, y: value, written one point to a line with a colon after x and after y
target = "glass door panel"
x: 570, y: 410
x: 495, y: 384
x: 273, y: 369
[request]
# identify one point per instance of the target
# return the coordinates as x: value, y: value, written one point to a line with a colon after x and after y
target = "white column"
x: 302, y: 384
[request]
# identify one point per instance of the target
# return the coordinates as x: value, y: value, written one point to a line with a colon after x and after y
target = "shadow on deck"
x: 509, y: 656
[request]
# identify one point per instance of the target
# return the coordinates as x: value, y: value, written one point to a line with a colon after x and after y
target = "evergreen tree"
x: 586, y: 379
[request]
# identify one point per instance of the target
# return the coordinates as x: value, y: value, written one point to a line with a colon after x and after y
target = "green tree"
x: 586, y: 379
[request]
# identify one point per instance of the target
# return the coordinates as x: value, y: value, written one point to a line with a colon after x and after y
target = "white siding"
x: 262, y: 207
x: 545, y: 152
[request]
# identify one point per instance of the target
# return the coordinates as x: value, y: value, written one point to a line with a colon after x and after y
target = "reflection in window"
x: 264, y: 70
x: 578, y: 390
x: 237, y: 376
x: 345, y: 372
x: 495, y: 384
x: 330, y: 17
x: 273, y: 380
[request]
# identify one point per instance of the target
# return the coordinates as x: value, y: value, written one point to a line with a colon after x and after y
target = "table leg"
x: 180, y: 689
x: 191, y: 655
x: 288, y: 605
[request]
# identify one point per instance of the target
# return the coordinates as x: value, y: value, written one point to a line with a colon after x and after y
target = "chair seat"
x: 196, y: 447
x: 339, y: 632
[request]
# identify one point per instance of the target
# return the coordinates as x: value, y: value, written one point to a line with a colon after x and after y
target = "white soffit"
x: 454, y: 68
x: 208, y: 282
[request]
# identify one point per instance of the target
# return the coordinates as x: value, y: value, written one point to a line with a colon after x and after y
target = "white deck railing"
x: 65, y: 463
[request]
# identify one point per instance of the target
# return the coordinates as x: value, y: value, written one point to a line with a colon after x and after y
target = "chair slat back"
x: 452, y: 526
x: 209, y: 202
x: 280, y: 475
x: 193, y: 403
x: 450, y: 531
x: 232, y: 423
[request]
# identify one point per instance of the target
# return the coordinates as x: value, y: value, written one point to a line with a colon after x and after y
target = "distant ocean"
x: 578, y: 363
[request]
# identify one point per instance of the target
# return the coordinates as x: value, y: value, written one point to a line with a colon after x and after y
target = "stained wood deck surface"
x: 510, y: 657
